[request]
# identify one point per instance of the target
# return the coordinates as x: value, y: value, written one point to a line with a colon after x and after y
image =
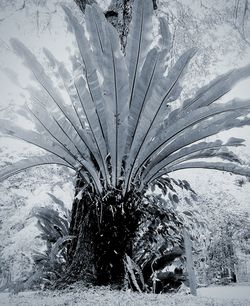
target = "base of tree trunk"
x: 104, y: 231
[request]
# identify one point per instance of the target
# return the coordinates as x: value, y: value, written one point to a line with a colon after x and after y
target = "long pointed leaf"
x: 193, y: 151
x: 38, y: 140
x: 228, y: 167
x: 68, y: 84
x: 93, y: 122
x: 97, y: 35
x: 204, y: 129
x: 216, y: 88
x: 165, y: 35
x: 190, y: 120
x: 116, y: 90
x: 142, y: 94
x: 24, y: 164
x: 35, y: 67
x: 153, y: 111
x: 139, y: 40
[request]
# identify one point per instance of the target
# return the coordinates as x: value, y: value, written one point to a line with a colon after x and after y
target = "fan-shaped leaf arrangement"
x: 123, y: 129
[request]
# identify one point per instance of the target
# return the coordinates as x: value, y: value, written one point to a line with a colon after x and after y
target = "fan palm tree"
x: 122, y: 131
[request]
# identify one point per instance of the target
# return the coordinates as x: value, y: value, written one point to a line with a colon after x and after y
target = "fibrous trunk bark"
x: 104, y: 230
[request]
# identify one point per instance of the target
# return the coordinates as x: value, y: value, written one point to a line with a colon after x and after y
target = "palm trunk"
x: 104, y: 231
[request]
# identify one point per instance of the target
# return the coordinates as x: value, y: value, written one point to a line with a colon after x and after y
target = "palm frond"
x: 203, y: 130
x: 216, y: 88
x: 39, y: 140
x: 163, y: 89
x: 199, y: 150
x: 95, y: 25
x: 139, y: 41
x: 142, y: 93
x: 165, y: 35
x: 46, y: 84
x: 116, y: 89
x: 24, y: 164
x: 93, y: 123
x: 92, y: 80
x: 227, y: 167
x: 67, y: 79
x: 121, y: 129
x: 192, y: 119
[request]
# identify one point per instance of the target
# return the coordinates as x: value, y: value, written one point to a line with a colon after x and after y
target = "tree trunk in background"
x: 190, y: 263
x: 82, y: 4
x: 119, y: 14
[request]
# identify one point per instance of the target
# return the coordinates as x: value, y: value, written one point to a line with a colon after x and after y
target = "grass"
x: 104, y: 296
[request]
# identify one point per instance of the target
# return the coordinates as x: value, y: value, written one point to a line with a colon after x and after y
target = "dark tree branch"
x: 82, y: 4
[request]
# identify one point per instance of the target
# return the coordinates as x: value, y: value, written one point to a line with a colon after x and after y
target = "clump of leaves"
x: 159, y: 241
x: 54, y: 225
x: 123, y: 128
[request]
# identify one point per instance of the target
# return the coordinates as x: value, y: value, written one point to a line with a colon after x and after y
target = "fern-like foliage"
x: 54, y: 226
x: 122, y: 129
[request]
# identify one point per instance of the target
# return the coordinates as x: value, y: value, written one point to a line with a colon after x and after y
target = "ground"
x: 212, y: 296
